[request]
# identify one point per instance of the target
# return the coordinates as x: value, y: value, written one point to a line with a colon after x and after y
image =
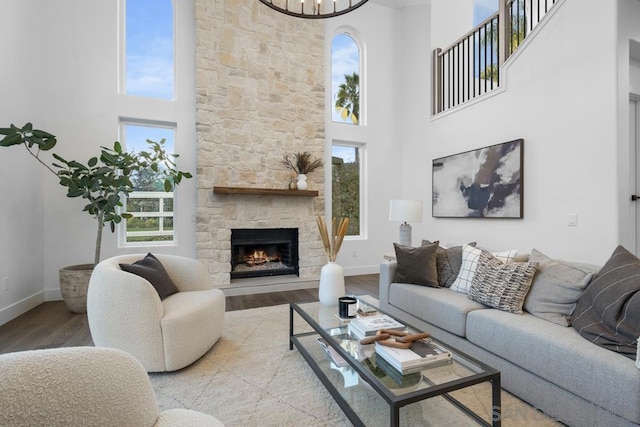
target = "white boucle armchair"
x: 125, y: 312
x: 83, y: 386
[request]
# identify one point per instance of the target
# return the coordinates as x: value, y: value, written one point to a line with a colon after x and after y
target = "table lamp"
x: 405, y: 211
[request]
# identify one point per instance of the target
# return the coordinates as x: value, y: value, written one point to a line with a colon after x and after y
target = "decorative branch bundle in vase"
x: 332, y: 275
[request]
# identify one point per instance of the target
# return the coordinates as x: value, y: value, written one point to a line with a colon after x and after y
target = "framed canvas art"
x: 482, y: 183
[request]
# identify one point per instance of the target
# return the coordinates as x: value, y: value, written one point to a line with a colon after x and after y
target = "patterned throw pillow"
x: 448, y: 262
x: 502, y: 286
x: 608, y: 313
x: 470, y: 256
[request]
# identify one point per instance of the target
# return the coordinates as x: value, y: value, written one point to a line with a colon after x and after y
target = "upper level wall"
x: 454, y: 18
x: 561, y: 98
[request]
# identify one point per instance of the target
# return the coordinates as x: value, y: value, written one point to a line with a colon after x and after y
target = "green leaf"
x: 14, y: 139
x: 167, y: 186
x: 6, y: 131
x: 48, y: 144
x: 93, y: 161
x: 127, y: 215
x: 117, y: 147
x: 28, y: 127
x: 42, y: 134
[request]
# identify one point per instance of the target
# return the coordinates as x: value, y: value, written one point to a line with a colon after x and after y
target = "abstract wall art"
x: 482, y: 183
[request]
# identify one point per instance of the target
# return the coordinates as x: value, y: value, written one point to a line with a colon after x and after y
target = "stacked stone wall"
x: 260, y: 95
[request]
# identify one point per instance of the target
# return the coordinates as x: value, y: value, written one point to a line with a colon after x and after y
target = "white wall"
x: 82, y: 107
x: 21, y: 209
x: 634, y: 77
x: 377, y: 26
x: 453, y: 18
x: 63, y: 76
x: 561, y: 98
x: 628, y: 17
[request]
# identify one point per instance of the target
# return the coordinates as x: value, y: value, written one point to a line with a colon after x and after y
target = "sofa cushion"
x: 561, y: 356
x: 417, y: 265
x: 608, y: 313
x: 499, y: 285
x: 440, y: 306
x: 151, y: 269
x: 470, y: 257
x: 448, y: 262
x: 556, y: 289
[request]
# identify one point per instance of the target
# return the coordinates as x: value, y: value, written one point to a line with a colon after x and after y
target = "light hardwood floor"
x: 51, y: 324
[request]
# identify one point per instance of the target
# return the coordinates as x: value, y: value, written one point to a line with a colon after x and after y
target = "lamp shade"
x: 405, y: 210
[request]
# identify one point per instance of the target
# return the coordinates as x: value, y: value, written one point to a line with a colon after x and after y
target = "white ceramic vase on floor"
x: 331, y: 284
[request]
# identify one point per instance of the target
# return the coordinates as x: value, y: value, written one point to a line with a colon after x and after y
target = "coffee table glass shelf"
x: 371, y: 393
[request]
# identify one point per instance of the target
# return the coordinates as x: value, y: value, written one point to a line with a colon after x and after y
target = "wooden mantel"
x: 247, y: 191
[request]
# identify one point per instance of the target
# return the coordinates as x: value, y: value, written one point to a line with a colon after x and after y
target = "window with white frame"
x: 346, y: 185
x: 149, y: 48
x: 345, y: 80
x: 149, y: 204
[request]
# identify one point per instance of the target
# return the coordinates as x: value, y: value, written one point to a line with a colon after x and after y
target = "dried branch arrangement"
x: 301, y: 163
x: 338, y: 231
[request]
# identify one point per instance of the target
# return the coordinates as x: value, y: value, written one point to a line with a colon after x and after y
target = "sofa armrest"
x: 387, y: 276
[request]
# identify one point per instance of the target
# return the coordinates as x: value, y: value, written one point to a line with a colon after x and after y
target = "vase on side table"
x: 331, y: 284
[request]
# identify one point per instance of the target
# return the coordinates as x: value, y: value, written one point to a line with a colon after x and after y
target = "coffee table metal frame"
x: 487, y: 374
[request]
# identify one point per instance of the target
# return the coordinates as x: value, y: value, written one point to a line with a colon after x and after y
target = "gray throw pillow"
x: 499, y: 285
x: 151, y: 269
x: 608, y: 313
x: 556, y: 289
x: 417, y: 265
x: 448, y: 262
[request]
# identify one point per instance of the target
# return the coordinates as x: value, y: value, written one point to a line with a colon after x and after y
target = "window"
x: 150, y: 205
x: 345, y: 80
x: 346, y: 185
x: 149, y: 48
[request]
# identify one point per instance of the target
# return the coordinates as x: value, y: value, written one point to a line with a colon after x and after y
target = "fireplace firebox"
x: 264, y: 252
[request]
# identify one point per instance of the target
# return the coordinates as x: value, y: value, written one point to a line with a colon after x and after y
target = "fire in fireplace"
x: 264, y: 252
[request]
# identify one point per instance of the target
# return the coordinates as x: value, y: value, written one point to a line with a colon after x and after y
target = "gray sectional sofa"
x: 550, y: 366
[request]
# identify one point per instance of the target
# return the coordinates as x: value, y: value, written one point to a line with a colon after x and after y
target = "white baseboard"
x: 14, y: 310
x: 367, y: 269
x: 52, y: 295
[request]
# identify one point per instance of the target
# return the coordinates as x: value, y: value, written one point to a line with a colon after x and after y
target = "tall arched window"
x: 345, y: 79
x: 347, y: 154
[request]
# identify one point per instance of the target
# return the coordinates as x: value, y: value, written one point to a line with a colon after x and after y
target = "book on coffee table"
x: 367, y: 326
x: 422, y: 353
x: 333, y: 354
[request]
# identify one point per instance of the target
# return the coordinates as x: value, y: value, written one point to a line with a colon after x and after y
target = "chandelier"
x: 314, y: 9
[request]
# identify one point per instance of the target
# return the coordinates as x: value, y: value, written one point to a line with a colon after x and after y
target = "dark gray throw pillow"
x: 417, y: 265
x: 448, y: 263
x: 151, y: 269
x: 608, y: 313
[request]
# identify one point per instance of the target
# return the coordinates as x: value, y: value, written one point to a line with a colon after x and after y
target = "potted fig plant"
x: 103, y: 181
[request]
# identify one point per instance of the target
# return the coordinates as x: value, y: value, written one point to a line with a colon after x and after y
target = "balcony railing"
x: 153, y: 206
x: 470, y: 67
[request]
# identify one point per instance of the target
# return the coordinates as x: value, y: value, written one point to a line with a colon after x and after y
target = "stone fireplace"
x: 264, y: 252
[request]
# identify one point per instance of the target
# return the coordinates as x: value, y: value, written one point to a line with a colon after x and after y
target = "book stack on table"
x: 422, y: 353
x: 367, y: 326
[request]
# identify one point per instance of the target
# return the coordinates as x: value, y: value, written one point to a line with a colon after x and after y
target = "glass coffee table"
x: 372, y: 393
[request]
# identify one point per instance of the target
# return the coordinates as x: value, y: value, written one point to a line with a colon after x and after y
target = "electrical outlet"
x: 5, y: 283
x: 573, y: 220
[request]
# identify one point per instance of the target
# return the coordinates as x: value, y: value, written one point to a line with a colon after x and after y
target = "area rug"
x: 250, y: 377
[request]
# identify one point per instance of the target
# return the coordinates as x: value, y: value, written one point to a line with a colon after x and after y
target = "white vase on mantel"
x: 331, y: 284
x: 302, y: 181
